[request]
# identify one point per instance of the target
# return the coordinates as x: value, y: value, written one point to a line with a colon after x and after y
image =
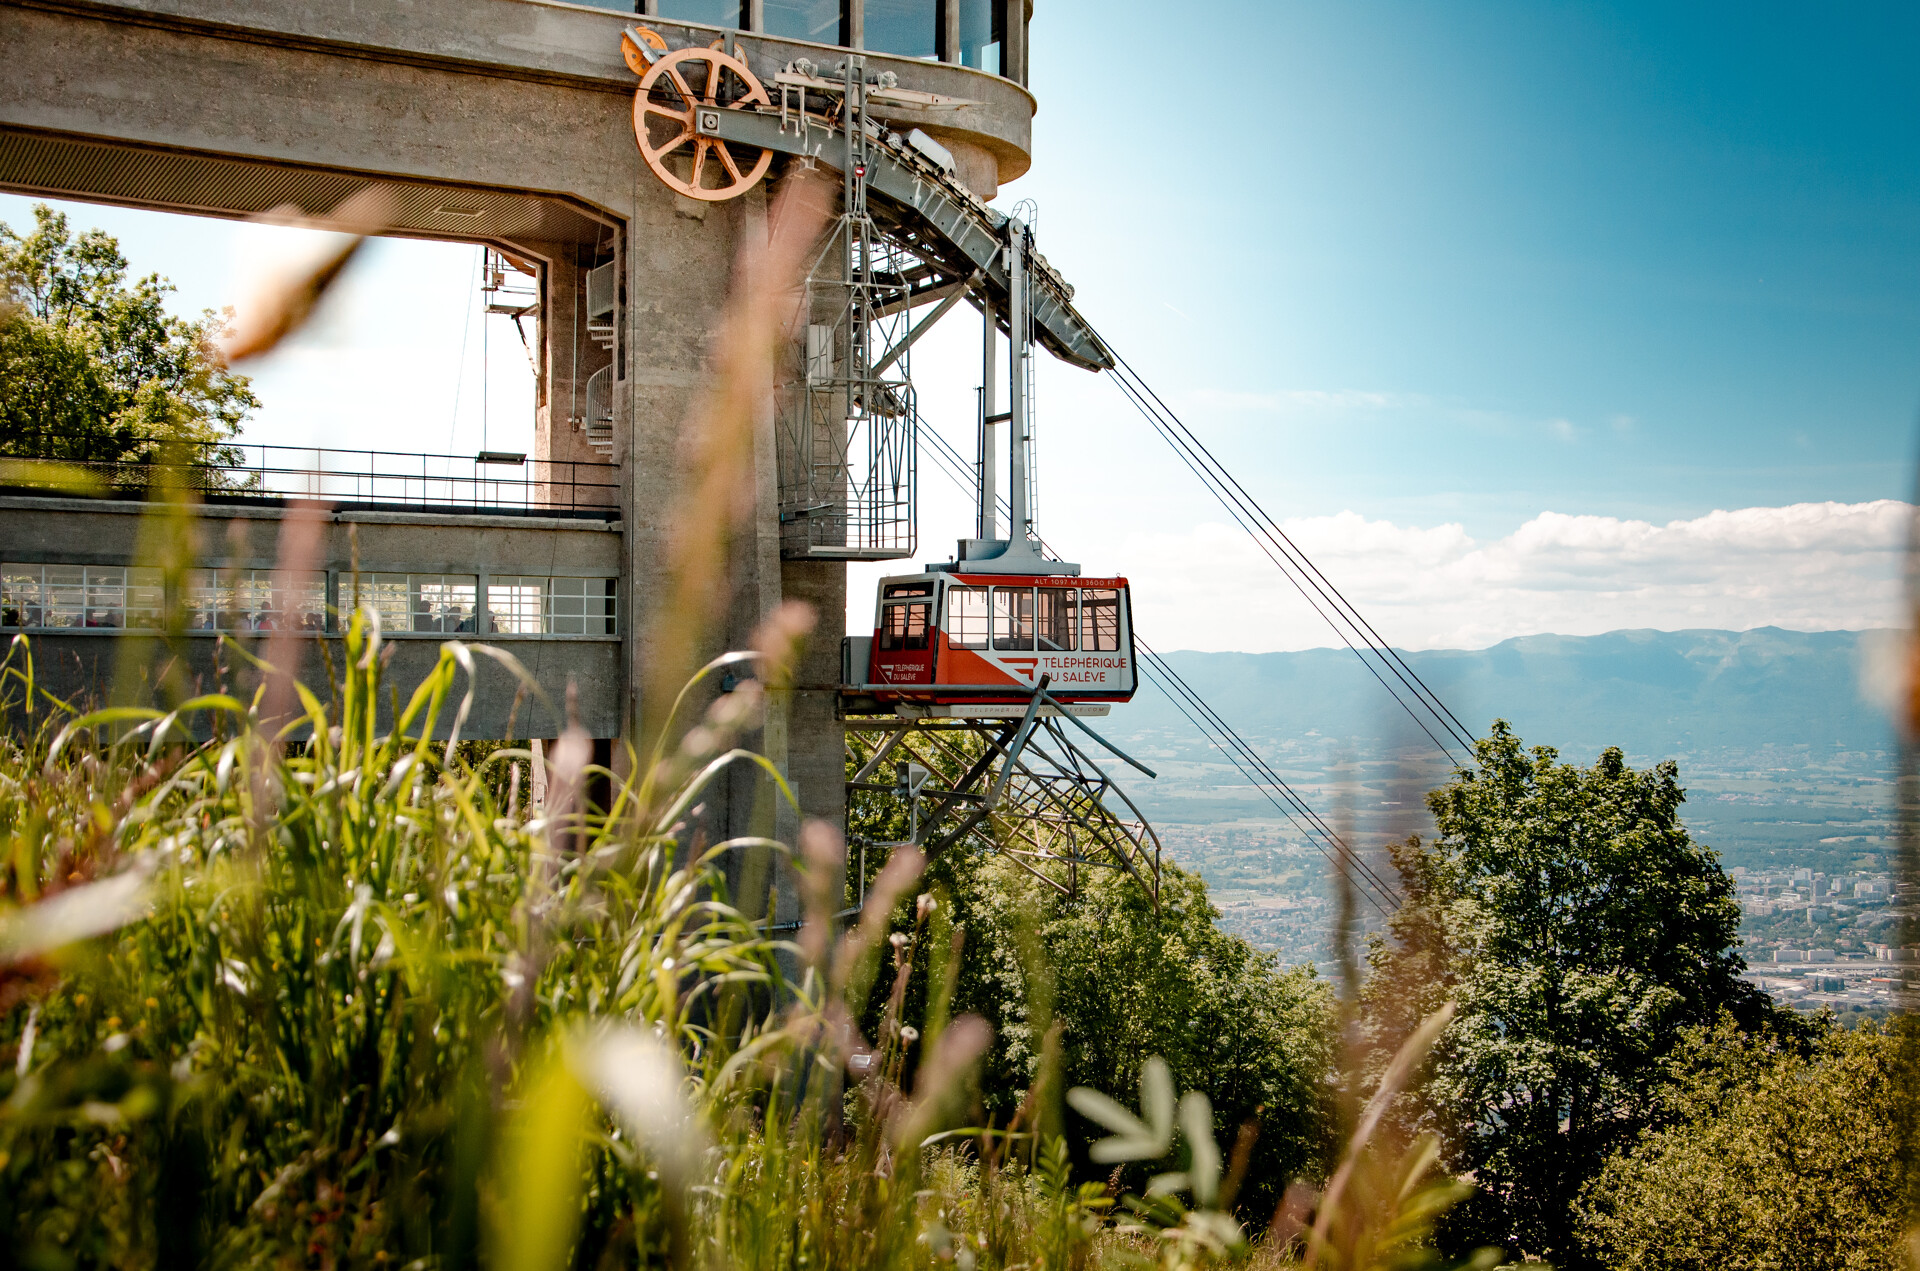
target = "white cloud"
x: 1810, y: 566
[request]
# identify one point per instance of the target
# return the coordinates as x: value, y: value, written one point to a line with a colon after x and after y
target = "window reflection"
x: 1012, y: 619
x: 907, y: 28
x: 967, y: 617
x: 1100, y: 620
x: 712, y: 12
x: 256, y: 600
x: 816, y: 20
x: 982, y: 33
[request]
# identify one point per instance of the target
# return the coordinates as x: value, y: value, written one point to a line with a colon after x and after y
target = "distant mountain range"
x: 1655, y: 694
x: 1785, y: 760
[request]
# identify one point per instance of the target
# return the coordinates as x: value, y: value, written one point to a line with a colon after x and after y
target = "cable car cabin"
x: 982, y: 639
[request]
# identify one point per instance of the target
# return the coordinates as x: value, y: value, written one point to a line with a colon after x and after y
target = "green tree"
x: 92, y: 366
x: 1773, y: 1156
x: 1121, y: 979
x: 1581, y: 931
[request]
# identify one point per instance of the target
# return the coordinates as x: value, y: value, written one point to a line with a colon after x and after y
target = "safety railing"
x: 492, y: 482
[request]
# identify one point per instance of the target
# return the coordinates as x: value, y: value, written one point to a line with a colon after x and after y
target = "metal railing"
x: 243, y: 472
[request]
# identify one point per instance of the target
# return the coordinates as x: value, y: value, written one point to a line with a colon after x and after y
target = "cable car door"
x: 903, y: 645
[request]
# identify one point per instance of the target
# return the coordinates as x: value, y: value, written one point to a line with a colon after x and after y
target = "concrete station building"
x: 510, y: 123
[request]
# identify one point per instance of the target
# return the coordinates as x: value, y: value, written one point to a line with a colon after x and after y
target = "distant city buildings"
x: 1824, y: 940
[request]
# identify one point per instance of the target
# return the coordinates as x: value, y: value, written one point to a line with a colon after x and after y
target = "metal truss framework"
x: 1020, y: 787
x: 847, y: 421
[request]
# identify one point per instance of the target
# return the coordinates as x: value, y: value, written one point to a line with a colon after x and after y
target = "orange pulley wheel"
x: 664, y: 114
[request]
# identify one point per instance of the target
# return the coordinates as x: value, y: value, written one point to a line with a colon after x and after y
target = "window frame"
x: 958, y: 626
x: 551, y: 603
x: 107, y: 590
x: 219, y: 594
x: 1007, y: 643
x: 1089, y: 643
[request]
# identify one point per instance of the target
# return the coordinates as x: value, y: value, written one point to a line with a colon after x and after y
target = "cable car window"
x: 1012, y: 618
x: 1100, y: 620
x: 905, y: 626
x: 967, y: 617
x: 899, y: 591
x: 1056, y: 621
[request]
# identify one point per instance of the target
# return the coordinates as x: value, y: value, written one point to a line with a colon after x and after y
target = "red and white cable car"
x: 954, y: 638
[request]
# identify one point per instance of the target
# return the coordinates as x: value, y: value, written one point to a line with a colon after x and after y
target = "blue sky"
x: 1498, y: 303
x: 1636, y: 260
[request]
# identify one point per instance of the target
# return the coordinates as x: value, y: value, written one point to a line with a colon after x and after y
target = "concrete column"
x: 950, y: 31
x: 1013, y: 53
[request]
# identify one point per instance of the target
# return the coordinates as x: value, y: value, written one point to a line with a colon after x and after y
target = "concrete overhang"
x: 571, y: 45
x: 57, y: 165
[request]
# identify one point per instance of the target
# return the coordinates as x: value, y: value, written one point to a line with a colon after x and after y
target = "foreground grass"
x: 326, y: 994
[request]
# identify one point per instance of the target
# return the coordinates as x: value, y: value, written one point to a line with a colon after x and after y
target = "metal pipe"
x: 989, y: 516
x: 1017, y: 354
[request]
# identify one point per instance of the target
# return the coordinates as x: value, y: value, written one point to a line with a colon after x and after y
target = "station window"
x: 730, y: 13
x: 79, y: 596
x: 906, y: 28
x: 1012, y: 618
x: 982, y: 33
x: 1100, y: 620
x: 905, y: 626
x: 816, y: 20
x: 967, y: 617
x: 1057, y: 620
x: 418, y: 602
x: 519, y: 605
x: 256, y: 600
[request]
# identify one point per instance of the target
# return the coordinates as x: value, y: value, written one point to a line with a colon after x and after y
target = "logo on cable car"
x: 1025, y: 666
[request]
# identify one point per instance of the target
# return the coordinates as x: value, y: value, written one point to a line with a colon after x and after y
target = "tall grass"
x: 282, y: 986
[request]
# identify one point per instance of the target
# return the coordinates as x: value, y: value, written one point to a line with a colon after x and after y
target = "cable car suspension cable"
x: 1209, y: 723
x: 1344, y: 618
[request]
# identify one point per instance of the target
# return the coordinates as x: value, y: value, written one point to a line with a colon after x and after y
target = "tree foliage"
x: 1772, y: 1156
x: 1118, y: 980
x: 92, y: 366
x: 1582, y: 931
x: 1129, y: 981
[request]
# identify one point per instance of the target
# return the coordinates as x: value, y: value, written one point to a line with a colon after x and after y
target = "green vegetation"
x: 281, y: 988
x: 1580, y: 930
x: 1768, y: 1156
x: 92, y: 367
x: 326, y: 994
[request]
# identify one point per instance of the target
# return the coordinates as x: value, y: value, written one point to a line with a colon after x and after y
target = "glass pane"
x: 1056, y: 619
x: 980, y: 33
x: 712, y: 12
x: 442, y: 602
x: 106, y: 597
x: 146, y: 597
x: 65, y: 596
x: 816, y: 20
x: 290, y: 601
x: 905, y: 626
x: 567, y: 601
x: 386, y: 595
x: 1100, y: 620
x: 909, y: 28
x: 20, y: 595
x: 604, y: 596
x: 203, y: 600
x: 1012, y: 618
x: 515, y: 605
x: 967, y: 617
